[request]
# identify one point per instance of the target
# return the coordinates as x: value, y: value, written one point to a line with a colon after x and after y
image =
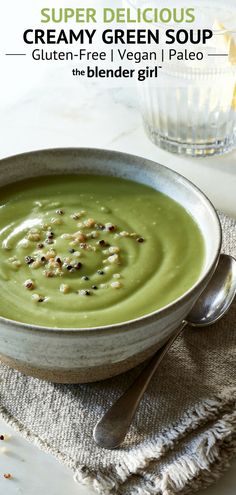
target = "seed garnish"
x: 84, y: 292
x: 38, y: 298
x: 49, y: 273
x: 78, y: 266
x: 79, y: 243
x: 78, y: 215
x: 116, y: 285
x: 114, y: 258
x: 29, y: 284
x: 89, y: 223
x: 114, y: 249
x: 100, y: 272
x: 103, y: 243
x: 50, y: 234
x: 77, y: 254
x: 8, y: 476
x: 117, y: 275
x: 110, y: 227
x: 94, y: 234
x: 99, y: 226
x: 64, y: 288
x: 29, y: 260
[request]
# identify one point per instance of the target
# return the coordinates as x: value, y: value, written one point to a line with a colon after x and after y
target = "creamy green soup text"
x: 85, y: 251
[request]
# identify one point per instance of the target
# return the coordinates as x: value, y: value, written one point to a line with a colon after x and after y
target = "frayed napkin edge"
x: 203, y: 468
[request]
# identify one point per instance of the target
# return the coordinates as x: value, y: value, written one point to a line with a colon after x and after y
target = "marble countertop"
x: 53, y: 113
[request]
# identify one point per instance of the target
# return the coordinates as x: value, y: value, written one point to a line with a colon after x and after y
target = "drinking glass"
x: 190, y: 108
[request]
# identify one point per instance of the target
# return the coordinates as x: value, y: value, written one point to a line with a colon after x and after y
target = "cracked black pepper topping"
x: 102, y: 243
x: 29, y: 260
x: 78, y: 266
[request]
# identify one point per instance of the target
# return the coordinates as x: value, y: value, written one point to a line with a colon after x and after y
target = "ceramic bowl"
x: 83, y: 355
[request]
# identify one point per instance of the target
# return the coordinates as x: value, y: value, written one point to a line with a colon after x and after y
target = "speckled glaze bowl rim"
x: 145, y: 319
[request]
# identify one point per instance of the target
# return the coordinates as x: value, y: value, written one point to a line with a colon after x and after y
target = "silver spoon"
x: 213, y: 303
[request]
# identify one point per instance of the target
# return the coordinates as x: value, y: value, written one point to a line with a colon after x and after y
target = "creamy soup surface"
x: 85, y: 251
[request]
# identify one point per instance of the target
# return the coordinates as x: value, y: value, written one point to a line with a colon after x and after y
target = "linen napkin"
x: 183, y: 435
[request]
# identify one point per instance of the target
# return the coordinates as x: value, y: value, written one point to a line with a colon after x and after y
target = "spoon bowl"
x: 217, y: 297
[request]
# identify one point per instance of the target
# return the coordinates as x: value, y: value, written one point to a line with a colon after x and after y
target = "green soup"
x: 84, y: 251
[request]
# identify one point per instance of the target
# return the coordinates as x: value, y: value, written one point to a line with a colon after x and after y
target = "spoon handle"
x: 111, y: 429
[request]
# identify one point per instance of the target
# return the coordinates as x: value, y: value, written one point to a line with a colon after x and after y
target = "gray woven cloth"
x: 183, y: 436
